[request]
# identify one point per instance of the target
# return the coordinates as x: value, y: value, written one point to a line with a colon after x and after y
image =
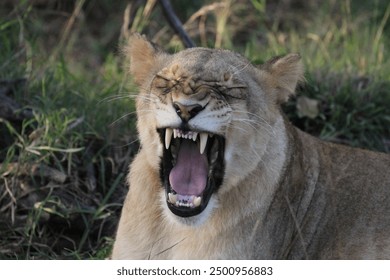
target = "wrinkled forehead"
x: 191, y: 69
x: 201, y: 64
x: 210, y: 64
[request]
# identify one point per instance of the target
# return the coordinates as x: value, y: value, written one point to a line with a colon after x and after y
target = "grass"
x: 347, y: 73
x: 65, y: 152
x: 62, y: 196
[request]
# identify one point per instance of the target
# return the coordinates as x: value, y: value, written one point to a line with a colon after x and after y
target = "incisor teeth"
x: 168, y: 137
x: 175, y: 133
x: 203, y: 141
x: 172, y: 198
x: 197, y: 201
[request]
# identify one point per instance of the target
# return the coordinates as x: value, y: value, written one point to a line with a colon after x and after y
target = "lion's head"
x: 206, y: 117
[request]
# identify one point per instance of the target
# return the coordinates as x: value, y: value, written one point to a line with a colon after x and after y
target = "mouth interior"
x: 189, y: 175
x: 192, y: 169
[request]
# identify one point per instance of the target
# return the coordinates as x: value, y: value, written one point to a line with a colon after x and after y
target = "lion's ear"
x: 285, y: 72
x: 143, y: 56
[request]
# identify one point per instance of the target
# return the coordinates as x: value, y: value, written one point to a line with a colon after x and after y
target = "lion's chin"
x: 191, y: 171
x: 193, y: 221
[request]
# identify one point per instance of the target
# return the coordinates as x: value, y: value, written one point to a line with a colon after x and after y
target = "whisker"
x: 253, y: 124
x: 261, y: 120
x: 135, y: 96
x: 238, y: 127
x: 127, y: 144
x: 146, y: 98
x: 113, y: 98
x: 242, y: 69
x: 121, y: 118
x: 129, y: 114
x: 251, y: 114
x: 122, y: 95
x: 171, y: 247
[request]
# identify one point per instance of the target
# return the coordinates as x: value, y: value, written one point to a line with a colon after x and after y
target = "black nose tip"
x: 186, y: 112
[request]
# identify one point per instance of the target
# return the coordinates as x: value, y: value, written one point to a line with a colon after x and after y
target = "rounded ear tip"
x: 294, y: 56
x: 136, y: 35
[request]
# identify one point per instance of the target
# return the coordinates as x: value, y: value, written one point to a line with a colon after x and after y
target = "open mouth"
x: 192, y: 169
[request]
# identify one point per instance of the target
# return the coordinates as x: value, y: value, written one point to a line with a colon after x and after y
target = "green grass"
x: 63, y: 167
x: 63, y: 195
x: 347, y: 73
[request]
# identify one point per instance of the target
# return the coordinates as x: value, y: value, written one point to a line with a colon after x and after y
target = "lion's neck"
x: 281, y: 235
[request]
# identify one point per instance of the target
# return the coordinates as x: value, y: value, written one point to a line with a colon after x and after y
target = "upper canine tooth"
x: 168, y: 137
x: 203, y: 141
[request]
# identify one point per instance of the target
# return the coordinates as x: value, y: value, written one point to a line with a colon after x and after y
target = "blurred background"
x: 67, y: 122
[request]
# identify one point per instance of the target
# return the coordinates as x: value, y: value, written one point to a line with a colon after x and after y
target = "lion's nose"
x: 187, y: 112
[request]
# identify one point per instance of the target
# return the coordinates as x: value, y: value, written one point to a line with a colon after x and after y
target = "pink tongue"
x: 189, y: 176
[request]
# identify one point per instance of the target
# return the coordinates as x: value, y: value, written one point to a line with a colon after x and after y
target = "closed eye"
x: 167, y: 90
x: 236, y: 92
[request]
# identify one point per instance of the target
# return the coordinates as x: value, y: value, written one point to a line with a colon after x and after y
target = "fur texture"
x: 285, y: 194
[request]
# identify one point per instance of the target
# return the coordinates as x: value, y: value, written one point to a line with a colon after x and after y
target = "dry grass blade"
x: 36, y: 169
x: 202, y: 14
x: 68, y: 28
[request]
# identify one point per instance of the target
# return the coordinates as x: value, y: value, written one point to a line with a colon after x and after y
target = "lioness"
x: 221, y: 173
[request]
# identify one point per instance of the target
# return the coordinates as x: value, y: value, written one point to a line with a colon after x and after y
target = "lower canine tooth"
x: 172, y: 198
x: 197, y: 201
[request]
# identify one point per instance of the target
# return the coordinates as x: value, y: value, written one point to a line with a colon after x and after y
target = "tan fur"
x: 285, y: 194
